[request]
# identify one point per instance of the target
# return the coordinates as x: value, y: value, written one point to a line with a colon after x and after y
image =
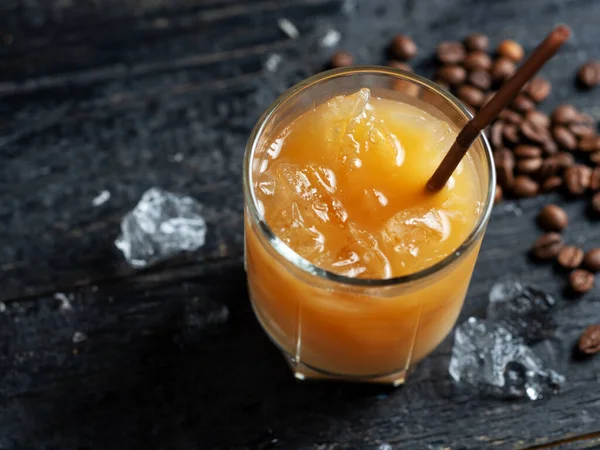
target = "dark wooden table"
x: 122, y: 95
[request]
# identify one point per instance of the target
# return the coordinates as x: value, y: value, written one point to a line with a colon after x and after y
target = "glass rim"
x: 303, y: 264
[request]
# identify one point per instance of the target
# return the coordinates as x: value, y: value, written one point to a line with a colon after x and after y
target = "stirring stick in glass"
x: 498, y: 102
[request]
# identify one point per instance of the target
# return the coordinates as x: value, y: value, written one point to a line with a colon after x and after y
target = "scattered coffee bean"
x: 511, y: 50
x: 591, y: 260
x: 570, y: 257
x: 550, y: 167
x: 589, y: 341
x: 504, y: 161
x: 442, y: 83
x: 589, y: 74
x: 549, y: 146
x: 529, y: 166
x: 589, y: 143
x: 534, y: 132
x: 511, y: 133
x: 477, y: 41
x: 595, y: 179
x: 528, y: 151
x: 510, y: 116
x: 551, y: 183
x: 522, y: 104
x: 564, y: 137
x: 403, y: 47
x: 595, y: 157
x: 553, y: 218
x: 564, y: 114
x: 481, y: 79
x: 547, y: 246
x: 496, y: 132
x: 503, y: 69
x: 581, y: 281
x: 453, y: 74
x: 525, y: 187
x: 477, y: 60
x: 341, y: 59
x: 406, y: 87
x: 538, y: 89
x: 582, y: 130
x: 564, y: 159
x: 595, y: 204
x: 498, y: 194
x: 577, y: 179
x: 400, y: 65
x: 538, y: 118
x: 451, y: 52
x: 470, y: 95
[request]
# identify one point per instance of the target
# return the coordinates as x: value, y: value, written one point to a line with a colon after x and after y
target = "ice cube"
x: 359, y: 257
x: 306, y: 240
x: 489, y: 357
x: 342, y: 109
x: 161, y: 225
x: 525, y: 310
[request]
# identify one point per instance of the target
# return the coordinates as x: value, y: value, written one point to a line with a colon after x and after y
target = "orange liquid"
x: 343, y: 186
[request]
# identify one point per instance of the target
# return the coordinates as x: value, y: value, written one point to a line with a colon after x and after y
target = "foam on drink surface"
x: 343, y: 185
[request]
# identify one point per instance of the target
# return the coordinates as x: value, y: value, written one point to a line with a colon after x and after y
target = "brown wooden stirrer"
x: 498, y: 102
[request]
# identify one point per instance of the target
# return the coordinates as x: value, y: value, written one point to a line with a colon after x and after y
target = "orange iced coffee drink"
x: 354, y: 270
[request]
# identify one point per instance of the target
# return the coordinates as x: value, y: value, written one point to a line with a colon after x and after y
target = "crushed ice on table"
x: 161, y: 225
x: 78, y: 337
x: 101, y: 198
x: 288, y: 28
x: 64, y: 301
x: 525, y: 310
x: 273, y: 62
x: 330, y: 39
x: 491, y: 358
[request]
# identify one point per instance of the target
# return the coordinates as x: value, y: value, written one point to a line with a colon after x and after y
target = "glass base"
x: 304, y: 372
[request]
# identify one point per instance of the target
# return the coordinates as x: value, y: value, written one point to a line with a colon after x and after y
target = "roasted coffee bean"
x: 581, y: 130
x: 442, y: 83
x: 570, y: 257
x: 538, y: 89
x: 481, y: 79
x: 511, y: 133
x: 595, y: 179
x: 510, y: 116
x: 595, y: 157
x: 564, y: 159
x: 400, y: 65
x: 403, y: 47
x: 549, y: 146
x: 528, y: 151
x: 534, y: 132
x: 553, y: 218
x: 564, y: 138
x: 589, y: 341
x: 522, y: 104
x: 470, y: 95
x: 577, y: 179
x: 511, y: 50
x: 591, y: 260
x: 341, y: 59
x: 477, y: 60
x: 551, y: 183
x: 589, y: 143
x: 538, y: 118
x: 564, y: 114
x: 504, y: 161
x: 529, y: 166
x: 503, y: 69
x: 498, y: 194
x: 451, y: 52
x: 589, y: 74
x: 496, y: 132
x: 550, y: 167
x: 547, y: 246
x: 525, y: 187
x: 406, y: 87
x: 453, y: 74
x: 581, y: 281
x: 595, y: 204
x: 477, y: 41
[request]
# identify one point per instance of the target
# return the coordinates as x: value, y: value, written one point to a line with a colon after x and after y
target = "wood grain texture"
x: 124, y: 95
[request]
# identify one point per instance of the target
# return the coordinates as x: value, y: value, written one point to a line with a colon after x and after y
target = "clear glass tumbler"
x: 335, y: 327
